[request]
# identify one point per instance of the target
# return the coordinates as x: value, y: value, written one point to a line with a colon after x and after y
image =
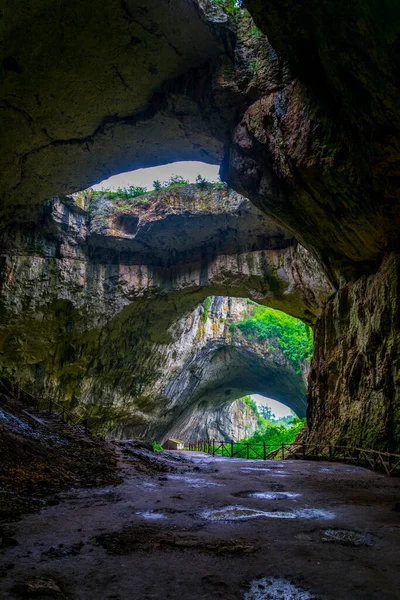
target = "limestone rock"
x: 354, y: 396
x: 94, y: 310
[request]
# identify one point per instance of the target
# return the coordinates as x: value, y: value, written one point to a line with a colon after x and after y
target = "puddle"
x: 314, y: 513
x: 151, y: 516
x: 194, y: 482
x: 275, y: 472
x: 232, y: 513
x: 346, y: 537
x: 239, y: 513
x: 272, y: 588
x: 148, y: 484
x: 273, y: 495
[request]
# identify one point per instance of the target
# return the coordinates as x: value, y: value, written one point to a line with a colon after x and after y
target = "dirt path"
x: 171, y: 535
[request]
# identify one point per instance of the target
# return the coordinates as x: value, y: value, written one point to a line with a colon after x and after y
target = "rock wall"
x: 308, y: 130
x: 354, y: 396
x: 84, y: 321
x: 236, y: 421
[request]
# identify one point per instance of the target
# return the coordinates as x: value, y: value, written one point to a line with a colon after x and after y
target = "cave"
x: 118, y: 312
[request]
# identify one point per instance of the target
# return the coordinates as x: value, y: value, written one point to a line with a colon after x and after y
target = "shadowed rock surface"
x: 308, y: 130
x: 122, y: 339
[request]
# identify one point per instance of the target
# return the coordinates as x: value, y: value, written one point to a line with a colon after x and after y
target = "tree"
x: 157, y: 185
x: 201, y: 181
x: 266, y: 412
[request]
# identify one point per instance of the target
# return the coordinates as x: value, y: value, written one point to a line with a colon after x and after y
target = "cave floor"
x: 159, y: 534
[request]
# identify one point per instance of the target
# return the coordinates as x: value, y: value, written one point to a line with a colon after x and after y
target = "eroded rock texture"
x: 101, y: 92
x: 354, y: 396
x: 84, y: 317
x: 308, y: 130
x: 236, y: 421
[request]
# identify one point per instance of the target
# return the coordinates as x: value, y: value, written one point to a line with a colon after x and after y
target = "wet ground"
x: 198, y: 527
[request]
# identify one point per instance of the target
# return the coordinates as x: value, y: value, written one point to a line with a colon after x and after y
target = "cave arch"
x: 207, y: 365
x: 307, y: 156
x: 241, y: 370
x: 126, y: 291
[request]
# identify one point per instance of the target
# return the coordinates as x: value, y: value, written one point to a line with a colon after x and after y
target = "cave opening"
x: 112, y: 300
x: 234, y: 357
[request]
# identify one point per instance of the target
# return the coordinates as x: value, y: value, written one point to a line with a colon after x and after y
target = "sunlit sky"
x: 278, y: 409
x: 145, y: 177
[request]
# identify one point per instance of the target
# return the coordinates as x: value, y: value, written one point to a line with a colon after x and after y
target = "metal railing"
x: 376, y: 460
x: 41, y: 403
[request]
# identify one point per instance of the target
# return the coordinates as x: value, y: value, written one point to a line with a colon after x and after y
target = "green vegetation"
x: 232, y: 7
x: 157, y: 447
x: 128, y: 193
x: 292, y: 335
x: 250, y: 402
x: 266, y: 412
x: 256, y: 33
x: 133, y: 191
x: 274, y: 435
x: 124, y: 197
x: 273, y: 432
x: 206, y: 305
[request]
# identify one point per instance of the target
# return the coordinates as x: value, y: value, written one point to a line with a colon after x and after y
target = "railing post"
x: 304, y: 450
x: 213, y: 447
x: 265, y: 451
x: 283, y: 451
x: 50, y: 406
x: 247, y: 449
x: 63, y: 415
x: 231, y: 448
x: 330, y: 452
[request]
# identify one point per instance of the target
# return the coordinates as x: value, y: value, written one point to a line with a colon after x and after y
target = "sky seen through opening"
x: 145, y: 177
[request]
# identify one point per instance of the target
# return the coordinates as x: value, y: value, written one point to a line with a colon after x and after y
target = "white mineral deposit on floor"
x: 196, y: 482
x: 151, y: 516
x: 237, y: 513
x: 274, y: 495
x: 273, y: 588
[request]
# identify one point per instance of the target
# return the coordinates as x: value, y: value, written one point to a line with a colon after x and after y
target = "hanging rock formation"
x: 99, y: 327
x: 308, y: 130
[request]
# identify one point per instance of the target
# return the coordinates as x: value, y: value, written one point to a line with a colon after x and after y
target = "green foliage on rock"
x: 124, y: 197
x: 127, y: 193
x: 206, y: 305
x: 293, y: 336
x: 157, y: 447
x: 251, y: 403
x: 232, y: 7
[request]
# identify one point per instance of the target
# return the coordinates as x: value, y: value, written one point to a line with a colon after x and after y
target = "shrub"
x: 157, y: 447
x: 157, y: 185
x: 201, y: 182
x: 206, y: 305
x: 176, y: 180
